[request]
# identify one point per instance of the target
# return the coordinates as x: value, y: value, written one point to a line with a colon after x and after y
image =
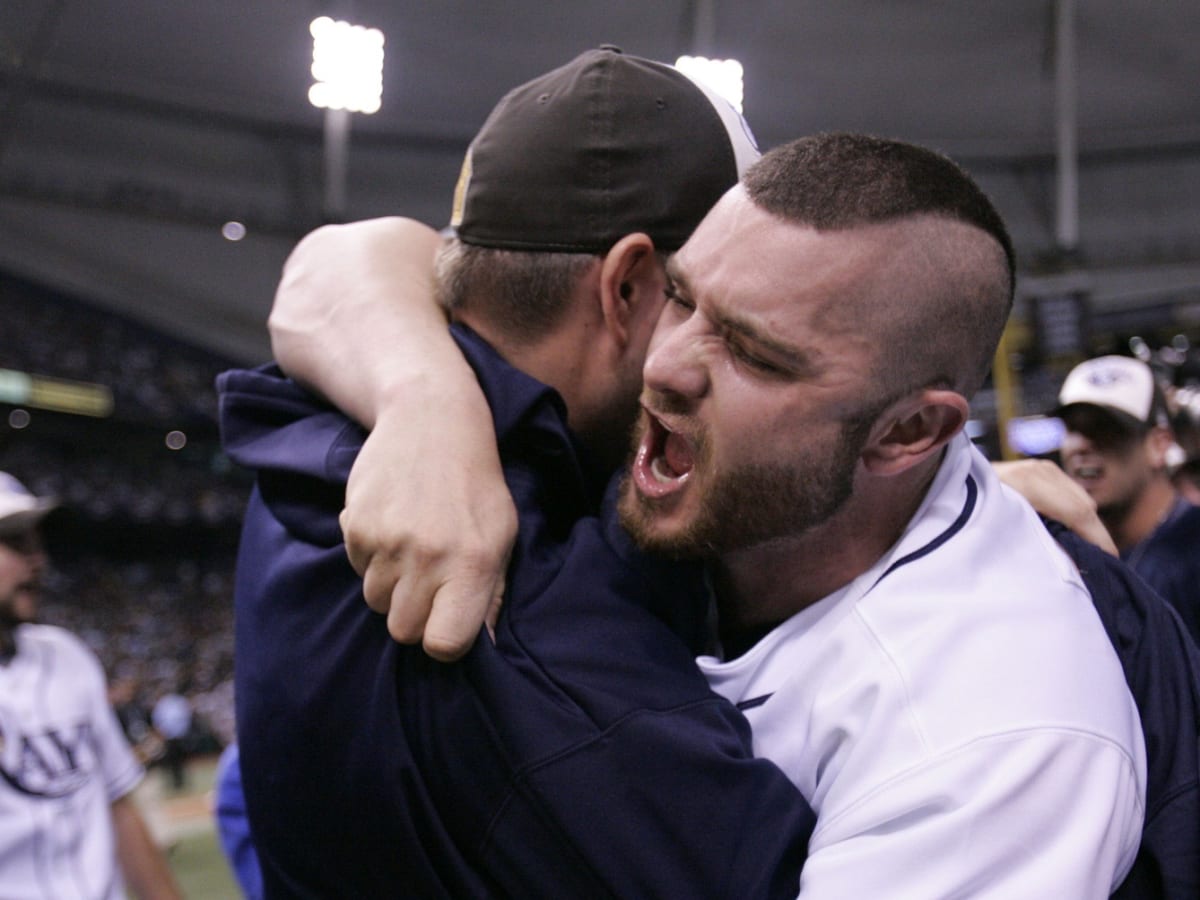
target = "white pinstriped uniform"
x: 63, y: 761
x: 956, y: 715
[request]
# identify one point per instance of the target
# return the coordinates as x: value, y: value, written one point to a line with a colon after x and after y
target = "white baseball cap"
x: 20, y: 510
x: 1118, y: 384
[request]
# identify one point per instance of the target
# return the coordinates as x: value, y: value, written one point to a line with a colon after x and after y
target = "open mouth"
x: 1087, y: 473
x: 664, y: 458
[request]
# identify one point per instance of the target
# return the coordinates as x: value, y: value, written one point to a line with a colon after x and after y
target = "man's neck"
x: 553, y: 359
x: 759, y: 587
x: 1136, y: 522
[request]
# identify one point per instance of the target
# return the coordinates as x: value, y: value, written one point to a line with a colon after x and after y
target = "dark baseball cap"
x: 607, y: 145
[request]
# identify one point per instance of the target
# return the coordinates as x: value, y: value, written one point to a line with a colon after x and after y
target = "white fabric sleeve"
x: 119, y: 767
x: 1047, y: 813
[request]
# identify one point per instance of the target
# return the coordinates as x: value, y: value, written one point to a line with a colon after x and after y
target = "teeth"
x: 660, y: 472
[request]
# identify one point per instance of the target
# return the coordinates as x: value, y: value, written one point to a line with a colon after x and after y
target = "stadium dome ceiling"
x: 131, y: 130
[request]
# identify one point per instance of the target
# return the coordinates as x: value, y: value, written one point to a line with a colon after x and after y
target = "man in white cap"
x: 1117, y: 447
x: 68, y: 823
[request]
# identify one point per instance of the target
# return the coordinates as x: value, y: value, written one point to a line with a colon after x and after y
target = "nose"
x: 29, y: 545
x: 37, y: 560
x: 676, y: 363
x: 1075, y: 442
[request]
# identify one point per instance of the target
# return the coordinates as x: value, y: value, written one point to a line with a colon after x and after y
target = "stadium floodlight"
x: 721, y: 75
x: 347, y: 66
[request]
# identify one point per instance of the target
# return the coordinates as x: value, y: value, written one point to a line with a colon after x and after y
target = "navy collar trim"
x: 754, y: 701
x: 955, y: 527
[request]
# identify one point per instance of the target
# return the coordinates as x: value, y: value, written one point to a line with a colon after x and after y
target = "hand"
x: 429, y: 524
x: 1052, y: 493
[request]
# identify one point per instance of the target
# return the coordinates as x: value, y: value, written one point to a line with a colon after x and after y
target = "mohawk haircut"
x: 837, y: 180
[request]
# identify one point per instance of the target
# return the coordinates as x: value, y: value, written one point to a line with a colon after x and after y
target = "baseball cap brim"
x: 1118, y: 416
x: 22, y: 520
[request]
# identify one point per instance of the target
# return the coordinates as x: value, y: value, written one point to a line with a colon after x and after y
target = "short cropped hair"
x: 840, y: 181
x: 522, y: 294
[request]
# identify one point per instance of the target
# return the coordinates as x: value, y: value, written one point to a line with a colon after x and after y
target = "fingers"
x: 459, y: 611
x: 430, y: 598
x: 458, y: 608
x: 358, y: 552
x: 446, y: 622
x: 1054, y: 494
x: 1093, y: 530
x: 432, y: 550
x: 493, y: 614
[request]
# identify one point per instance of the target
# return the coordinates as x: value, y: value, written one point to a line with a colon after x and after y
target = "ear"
x: 913, y: 429
x: 1158, y: 445
x: 628, y: 277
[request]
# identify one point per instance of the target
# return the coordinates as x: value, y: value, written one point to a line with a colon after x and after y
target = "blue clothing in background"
x: 1169, y: 561
x: 233, y: 828
x: 581, y: 755
x: 1162, y: 669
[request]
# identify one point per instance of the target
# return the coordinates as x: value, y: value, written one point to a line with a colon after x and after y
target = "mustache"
x: 680, y: 410
x: 665, y: 403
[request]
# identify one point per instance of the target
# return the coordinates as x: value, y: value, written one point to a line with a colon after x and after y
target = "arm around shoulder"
x: 354, y: 313
x: 428, y: 521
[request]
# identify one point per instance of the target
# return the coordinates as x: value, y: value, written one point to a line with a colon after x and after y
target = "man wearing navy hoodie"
x: 581, y: 754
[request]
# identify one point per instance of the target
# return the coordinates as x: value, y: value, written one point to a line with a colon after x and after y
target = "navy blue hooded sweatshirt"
x: 581, y: 755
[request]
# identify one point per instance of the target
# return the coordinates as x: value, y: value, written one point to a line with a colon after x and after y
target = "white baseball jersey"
x: 63, y: 761
x: 956, y: 715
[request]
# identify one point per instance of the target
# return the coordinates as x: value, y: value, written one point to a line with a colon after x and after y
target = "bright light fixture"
x: 721, y: 75
x: 347, y: 66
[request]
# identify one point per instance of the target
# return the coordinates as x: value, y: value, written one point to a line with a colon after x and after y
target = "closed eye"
x: 676, y: 298
x: 755, y: 362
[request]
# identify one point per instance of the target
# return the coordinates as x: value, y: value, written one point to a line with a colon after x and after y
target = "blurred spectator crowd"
x: 152, y: 377
x: 142, y: 552
x: 159, y: 627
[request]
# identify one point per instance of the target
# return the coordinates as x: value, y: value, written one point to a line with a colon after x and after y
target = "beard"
x: 20, y: 605
x: 753, y: 504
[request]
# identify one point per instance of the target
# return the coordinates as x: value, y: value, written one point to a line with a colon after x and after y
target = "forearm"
x: 428, y: 520
x: 143, y: 864
x: 355, y: 319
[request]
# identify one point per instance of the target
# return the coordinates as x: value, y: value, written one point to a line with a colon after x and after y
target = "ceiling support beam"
x: 1066, y: 231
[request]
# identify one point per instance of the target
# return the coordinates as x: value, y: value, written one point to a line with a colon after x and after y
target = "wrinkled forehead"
x: 744, y: 255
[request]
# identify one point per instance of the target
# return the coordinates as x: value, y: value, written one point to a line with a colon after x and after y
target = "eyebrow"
x: 791, y: 357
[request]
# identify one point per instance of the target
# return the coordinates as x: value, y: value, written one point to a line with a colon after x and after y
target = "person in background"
x: 1118, y: 447
x: 172, y: 719
x: 1185, y: 420
x: 69, y: 826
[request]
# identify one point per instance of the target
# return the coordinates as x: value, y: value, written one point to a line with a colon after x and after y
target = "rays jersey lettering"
x: 51, y: 764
